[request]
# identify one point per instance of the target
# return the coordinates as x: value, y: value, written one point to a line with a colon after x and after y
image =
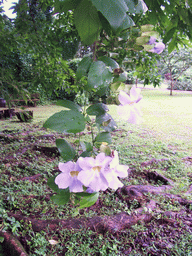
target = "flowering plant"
x: 95, y: 167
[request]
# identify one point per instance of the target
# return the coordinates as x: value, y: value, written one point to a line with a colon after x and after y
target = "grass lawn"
x: 161, y: 145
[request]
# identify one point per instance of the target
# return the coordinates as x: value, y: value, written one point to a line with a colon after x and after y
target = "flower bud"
x: 104, y: 148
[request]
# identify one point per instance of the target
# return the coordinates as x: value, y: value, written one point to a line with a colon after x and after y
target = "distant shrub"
x: 182, y: 85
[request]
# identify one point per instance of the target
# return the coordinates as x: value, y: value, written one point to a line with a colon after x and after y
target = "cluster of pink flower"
x: 102, y: 172
x: 95, y: 174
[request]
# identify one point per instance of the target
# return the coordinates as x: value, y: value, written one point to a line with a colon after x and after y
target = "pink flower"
x: 158, y: 48
x: 129, y: 108
x: 102, y: 172
x: 93, y: 170
x: 152, y: 40
x: 68, y: 177
x: 116, y: 170
x: 119, y: 169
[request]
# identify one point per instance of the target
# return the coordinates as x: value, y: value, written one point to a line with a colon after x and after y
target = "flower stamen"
x: 74, y: 173
x: 96, y: 168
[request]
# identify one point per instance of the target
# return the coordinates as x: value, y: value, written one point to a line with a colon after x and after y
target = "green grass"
x: 168, y: 117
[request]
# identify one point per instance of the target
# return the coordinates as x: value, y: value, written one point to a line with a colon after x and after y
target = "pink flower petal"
x: 124, y: 98
x: 63, y: 180
x: 135, y: 94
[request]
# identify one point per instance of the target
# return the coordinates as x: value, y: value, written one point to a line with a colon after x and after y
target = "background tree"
x: 48, y: 33
x: 174, y: 65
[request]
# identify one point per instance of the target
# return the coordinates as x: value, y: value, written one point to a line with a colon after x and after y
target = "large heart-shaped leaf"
x: 66, y: 151
x: 99, y: 76
x: 115, y: 12
x: 87, y: 22
x: 66, y: 121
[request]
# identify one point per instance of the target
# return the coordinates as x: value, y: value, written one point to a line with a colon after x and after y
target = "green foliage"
x: 38, y: 42
x: 93, y: 16
x: 104, y: 137
x: 97, y: 109
x: 66, y: 121
x: 87, y: 22
x: 83, y: 67
x: 66, y: 151
x: 87, y: 199
x: 172, y: 20
x: 63, y: 196
x: 69, y: 104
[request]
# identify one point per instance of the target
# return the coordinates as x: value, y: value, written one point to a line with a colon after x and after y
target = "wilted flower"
x: 158, y: 48
x: 129, y: 108
x: 92, y: 173
x: 68, y: 177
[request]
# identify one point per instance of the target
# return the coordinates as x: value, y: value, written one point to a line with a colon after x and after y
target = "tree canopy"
x: 45, y: 34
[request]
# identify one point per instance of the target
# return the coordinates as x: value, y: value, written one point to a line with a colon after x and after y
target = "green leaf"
x: 99, y: 76
x: 87, y: 149
x: 97, y: 109
x: 141, y: 7
x: 105, y: 24
x: 115, y: 12
x: 69, y: 49
x: 51, y: 183
x: 83, y: 67
x: 86, y: 154
x: 1, y: 239
x: 66, y: 121
x: 61, y: 198
x: 87, y: 22
x: 109, y: 62
x: 106, y: 122
x: 104, y: 137
x: 86, y: 146
x: 121, y: 78
x: 87, y: 199
x: 66, y: 151
x: 142, y: 40
x: 171, y: 45
x: 146, y: 28
x: 69, y: 104
x: 65, y: 5
x: 169, y: 34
